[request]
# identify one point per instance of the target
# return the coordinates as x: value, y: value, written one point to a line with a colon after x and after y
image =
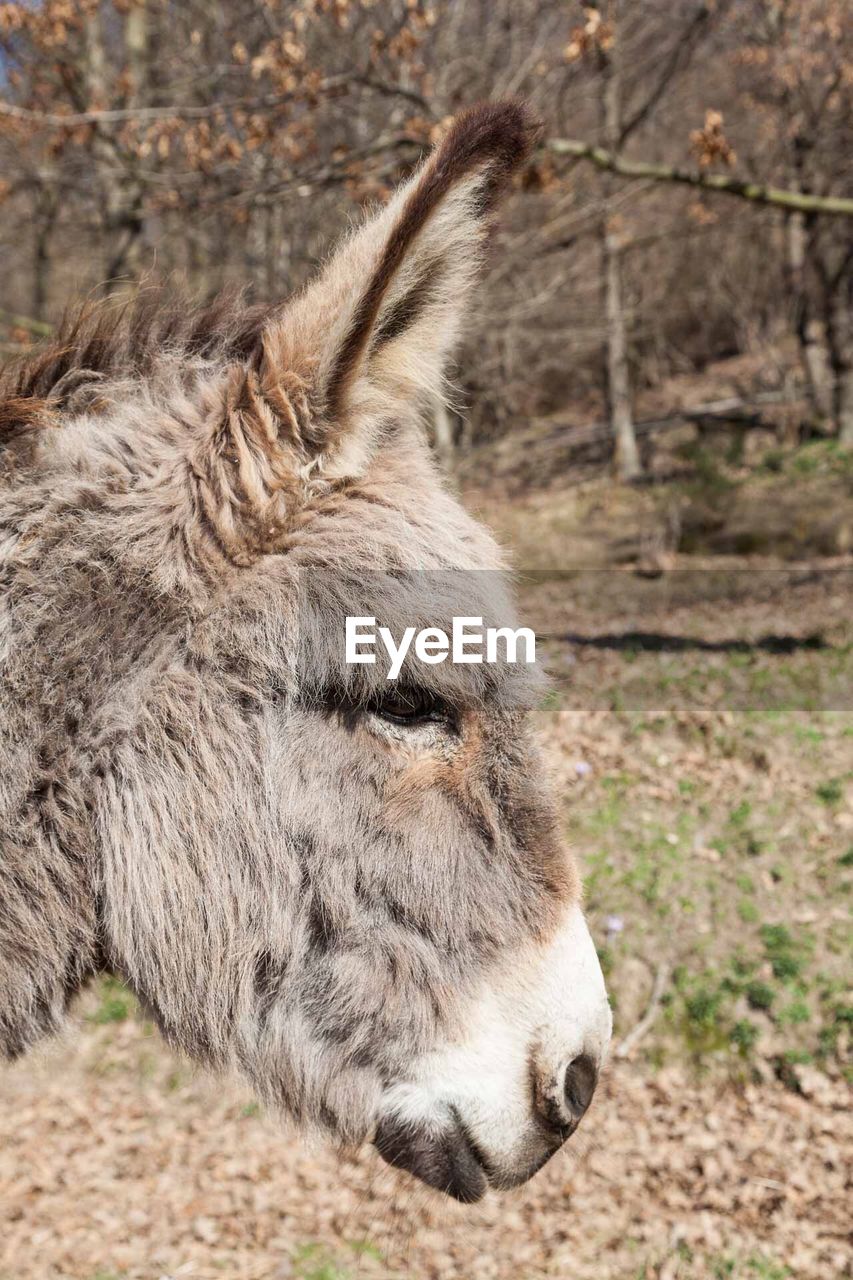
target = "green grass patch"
x: 316, y: 1261
x: 759, y: 995
x: 830, y: 793
x: 756, y: 1266
x: 116, y: 1003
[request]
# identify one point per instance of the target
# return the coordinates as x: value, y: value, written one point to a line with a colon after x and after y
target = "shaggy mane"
x: 104, y: 340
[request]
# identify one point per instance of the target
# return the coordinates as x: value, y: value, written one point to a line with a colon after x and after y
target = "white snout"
x: 504, y: 1078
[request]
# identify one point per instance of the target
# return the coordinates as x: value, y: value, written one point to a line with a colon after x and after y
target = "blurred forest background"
x: 229, y: 142
x: 654, y: 411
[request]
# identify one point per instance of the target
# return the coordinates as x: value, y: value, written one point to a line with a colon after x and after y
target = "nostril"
x: 562, y: 1096
x: 579, y: 1086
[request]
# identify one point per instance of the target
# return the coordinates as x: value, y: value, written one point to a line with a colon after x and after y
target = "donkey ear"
x: 371, y: 336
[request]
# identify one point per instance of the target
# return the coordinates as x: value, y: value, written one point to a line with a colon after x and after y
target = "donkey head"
x: 353, y: 890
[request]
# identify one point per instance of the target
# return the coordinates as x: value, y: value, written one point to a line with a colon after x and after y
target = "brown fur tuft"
x: 127, y: 339
x: 21, y: 413
x: 501, y: 133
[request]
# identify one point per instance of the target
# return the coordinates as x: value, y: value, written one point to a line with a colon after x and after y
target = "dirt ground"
x: 699, y: 727
x: 115, y: 1162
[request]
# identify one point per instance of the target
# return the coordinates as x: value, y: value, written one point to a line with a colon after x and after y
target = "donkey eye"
x: 409, y: 706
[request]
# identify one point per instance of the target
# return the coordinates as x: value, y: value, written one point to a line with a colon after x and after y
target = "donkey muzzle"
x: 492, y: 1105
x: 450, y: 1159
x: 446, y: 1159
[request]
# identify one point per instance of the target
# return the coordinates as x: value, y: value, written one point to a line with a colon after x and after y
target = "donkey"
x: 350, y: 890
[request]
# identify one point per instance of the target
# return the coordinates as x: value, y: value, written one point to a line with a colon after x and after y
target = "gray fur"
x: 193, y: 793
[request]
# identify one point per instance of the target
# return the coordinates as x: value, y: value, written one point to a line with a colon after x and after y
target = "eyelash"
x: 408, y: 706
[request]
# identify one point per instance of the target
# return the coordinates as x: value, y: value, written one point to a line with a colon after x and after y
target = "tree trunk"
x: 137, y: 40
x: 47, y: 207
x: 813, y: 351
x: 844, y: 406
x: 121, y: 193
x: 442, y: 426
x: 840, y: 334
x: 627, y: 456
x: 811, y: 335
x: 136, y: 47
x: 618, y: 377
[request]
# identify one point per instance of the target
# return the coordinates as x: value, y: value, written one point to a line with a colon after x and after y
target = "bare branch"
x: 389, y: 90
x: 745, y: 189
x: 118, y: 115
x: 37, y: 327
x: 142, y: 115
x: 682, y: 51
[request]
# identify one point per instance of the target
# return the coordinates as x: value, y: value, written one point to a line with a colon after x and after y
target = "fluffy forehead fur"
x: 192, y: 791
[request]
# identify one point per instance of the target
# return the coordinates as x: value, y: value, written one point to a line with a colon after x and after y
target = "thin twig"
x: 633, y: 1038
